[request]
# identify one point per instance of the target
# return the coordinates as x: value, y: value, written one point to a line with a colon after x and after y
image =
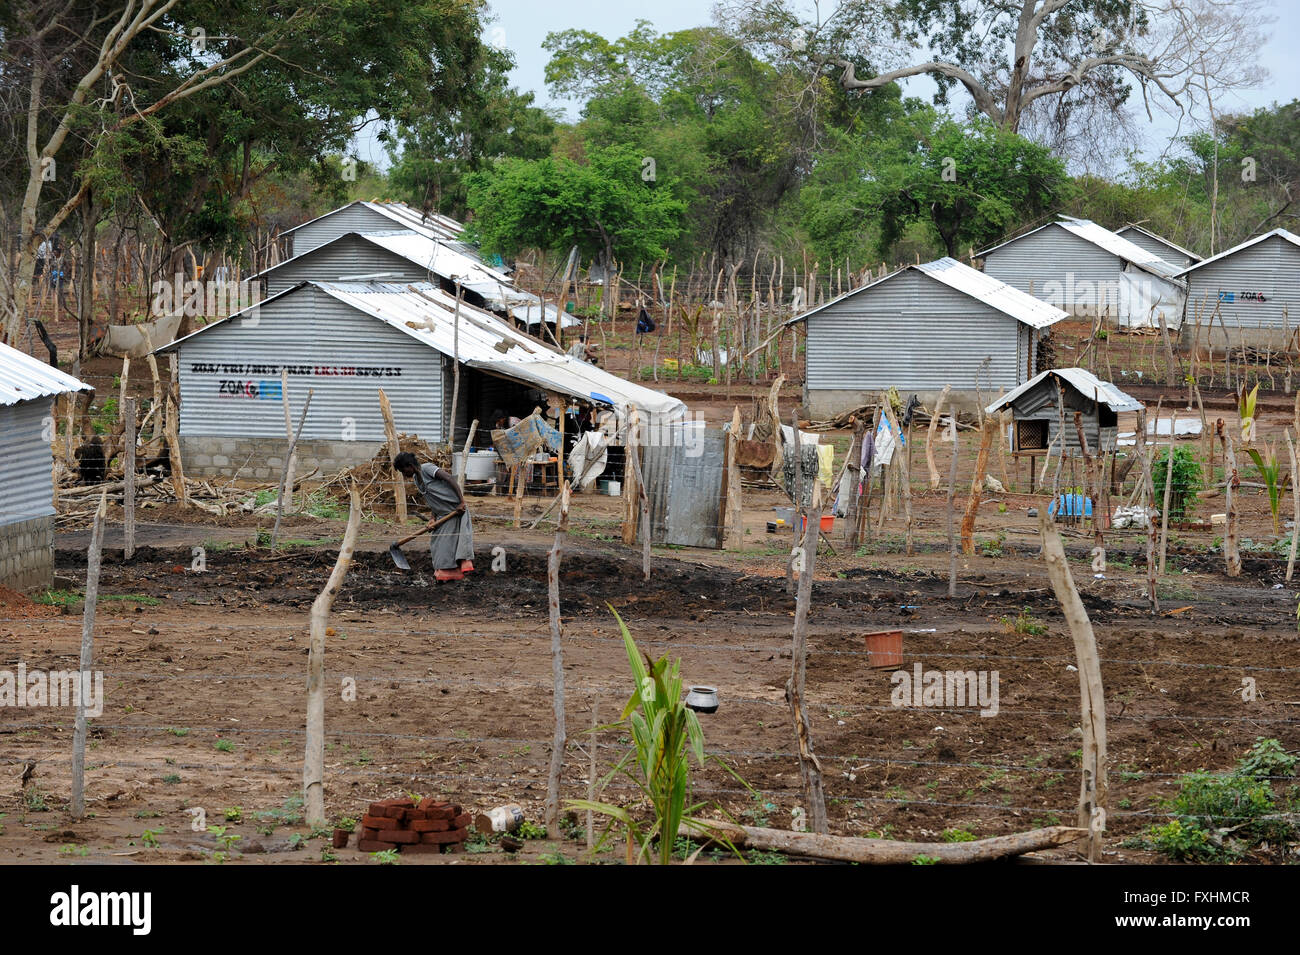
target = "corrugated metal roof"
x: 24, y: 378
x: 1083, y: 381
x: 428, y: 314
x: 1159, y: 238
x: 1116, y: 245
x: 446, y: 259
x: 1280, y: 233
x: 1019, y: 305
x: 404, y: 216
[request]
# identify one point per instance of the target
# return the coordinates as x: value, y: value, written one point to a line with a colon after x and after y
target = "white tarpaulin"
x: 1143, y: 297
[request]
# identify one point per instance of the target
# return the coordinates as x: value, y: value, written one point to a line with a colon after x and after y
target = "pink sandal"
x: 467, y: 566
x: 443, y: 576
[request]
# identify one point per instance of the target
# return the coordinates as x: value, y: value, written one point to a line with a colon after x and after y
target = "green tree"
x: 967, y: 184
x: 604, y: 206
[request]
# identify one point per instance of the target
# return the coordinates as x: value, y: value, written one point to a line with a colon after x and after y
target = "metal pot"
x: 703, y: 699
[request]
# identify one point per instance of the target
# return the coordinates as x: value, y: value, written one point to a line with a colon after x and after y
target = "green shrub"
x: 1186, y: 482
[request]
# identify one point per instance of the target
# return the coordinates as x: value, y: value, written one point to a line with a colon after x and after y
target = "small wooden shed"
x: 1036, y: 412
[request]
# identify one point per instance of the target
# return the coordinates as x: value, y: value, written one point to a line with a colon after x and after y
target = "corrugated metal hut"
x: 1158, y: 245
x: 1036, y: 411
x: 1086, y: 270
x: 918, y: 329
x: 1249, y: 294
x: 345, y: 341
x: 28, y: 388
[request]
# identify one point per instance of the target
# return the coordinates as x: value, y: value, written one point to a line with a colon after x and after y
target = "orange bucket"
x: 885, y: 649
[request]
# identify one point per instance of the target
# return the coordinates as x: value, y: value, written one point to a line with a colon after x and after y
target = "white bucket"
x: 481, y: 466
x: 615, y: 488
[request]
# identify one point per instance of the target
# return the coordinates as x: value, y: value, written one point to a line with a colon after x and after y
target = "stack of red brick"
x: 432, y: 826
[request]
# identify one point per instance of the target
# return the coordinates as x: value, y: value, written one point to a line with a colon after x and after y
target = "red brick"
x: 399, y: 802
x: 428, y: 802
x: 369, y: 833
x: 412, y: 815
x: 450, y: 835
x: 380, y: 822
x: 430, y: 825
x: 401, y: 836
x: 461, y: 821
x: 372, y: 845
x: 420, y: 849
x: 341, y: 837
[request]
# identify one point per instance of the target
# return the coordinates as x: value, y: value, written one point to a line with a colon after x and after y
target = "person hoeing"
x: 452, y: 543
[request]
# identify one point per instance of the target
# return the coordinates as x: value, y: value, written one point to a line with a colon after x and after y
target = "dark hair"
x: 406, y: 460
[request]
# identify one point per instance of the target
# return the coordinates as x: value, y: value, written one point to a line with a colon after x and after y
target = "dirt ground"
x: 204, y: 672
x: 204, y: 681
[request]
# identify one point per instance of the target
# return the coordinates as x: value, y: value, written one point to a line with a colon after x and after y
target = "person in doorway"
x: 452, y: 543
x: 502, y: 421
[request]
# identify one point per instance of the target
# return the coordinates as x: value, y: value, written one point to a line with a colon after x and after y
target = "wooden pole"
x: 557, y: 669
x: 469, y: 442
x: 1093, y: 787
x: 1231, y: 547
x: 952, y: 490
x: 84, y: 676
x: 734, y: 533
x: 809, y: 766
x: 128, y: 478
x: 290, y: 462
x: 394, y: 448
x: 935, y: 478
x: 1169, y: 484
x: 976, y: 490
x: 455, y: 370
x: 293, y: 444
x: 313, y: 764
x: 591, y: 768
x: 1295, y: 500
x: 904, y: 463
x: 174, y: 452
x: 634, y: 454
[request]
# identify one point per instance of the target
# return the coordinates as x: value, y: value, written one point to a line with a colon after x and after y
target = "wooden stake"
x: 1295, y: 500
x: 313, y: 764
x: 394, y: 448
x: 809, y: 766
x: 558, y: 736
x: 952, y: 490
x: 1093, y: 786
x: 469, y: 441
x: 935, y: 479
x: 591, y: 771
x: 291, y: 462
x: 635, y: 457
x: 903, y: 463
x: 84, y: 676
x: 734, y: 533
x: 976, y: 490
x: 1169, y: 484
x: 128, y: 478
x: 284, y: 474
x: 1231, y: 546
x: 174, y: 452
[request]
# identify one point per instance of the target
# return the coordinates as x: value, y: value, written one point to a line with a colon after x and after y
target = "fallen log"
x: 884, y: 851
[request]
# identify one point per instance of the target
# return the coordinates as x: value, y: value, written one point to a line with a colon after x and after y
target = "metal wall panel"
x: 1270, y: 268
x: 1056, y: 255
x: 230, y: 376
x: 348, y: 257
x: 353, y: 218
x: 914, y: 333
x: 684, y: 487
x: 26, y: 487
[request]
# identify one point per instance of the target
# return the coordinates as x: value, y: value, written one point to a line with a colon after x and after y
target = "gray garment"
x: 453, y: 541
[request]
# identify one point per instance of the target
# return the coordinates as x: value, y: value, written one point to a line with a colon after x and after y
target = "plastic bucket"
x: 615, y: 489
x: 885, y: 649
x: 827, y: 523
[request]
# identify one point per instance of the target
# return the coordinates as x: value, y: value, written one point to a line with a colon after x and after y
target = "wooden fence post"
x: 1093, y: 786
x: 1295, y: 501
x: 809, y: 766
x: 128, y: 478
x: 557, y: 668
x: 284, y: 473
x: 313, y: 764
x: 734, y: 523
x: 952, y: 490
x: 394, y: 449
x: 93, y: 556
x: 1231, y: 547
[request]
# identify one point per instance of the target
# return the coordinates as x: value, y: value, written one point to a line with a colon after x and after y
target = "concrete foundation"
x: 262, y: 459
x: 27, y: 555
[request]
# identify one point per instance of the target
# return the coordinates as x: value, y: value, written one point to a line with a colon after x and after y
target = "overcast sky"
x: 522, y: 25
